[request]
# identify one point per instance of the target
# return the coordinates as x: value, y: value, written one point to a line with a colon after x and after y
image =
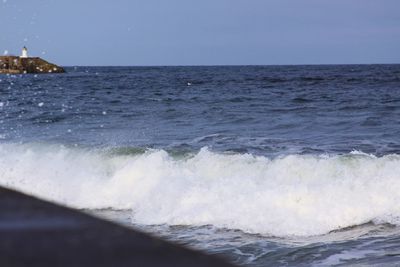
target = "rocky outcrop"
x: 18, y: 65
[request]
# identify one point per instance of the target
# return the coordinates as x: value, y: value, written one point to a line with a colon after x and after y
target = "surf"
x: 291, y: 195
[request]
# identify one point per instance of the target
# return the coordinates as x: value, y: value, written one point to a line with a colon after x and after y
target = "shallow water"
x: 364, y: 245
x: 275, y: 165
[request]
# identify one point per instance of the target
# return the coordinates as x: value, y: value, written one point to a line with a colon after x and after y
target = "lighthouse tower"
x: 24, y: 52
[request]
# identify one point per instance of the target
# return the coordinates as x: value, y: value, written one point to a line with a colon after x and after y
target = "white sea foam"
x: 292, y: 195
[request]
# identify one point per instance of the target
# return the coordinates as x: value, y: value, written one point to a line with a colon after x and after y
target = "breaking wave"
x: 291, y: 195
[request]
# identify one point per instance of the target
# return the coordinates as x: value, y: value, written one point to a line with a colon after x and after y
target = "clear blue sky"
x: 206, y: 32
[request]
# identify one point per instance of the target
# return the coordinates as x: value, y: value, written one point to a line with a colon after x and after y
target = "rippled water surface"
x: 274, y: 165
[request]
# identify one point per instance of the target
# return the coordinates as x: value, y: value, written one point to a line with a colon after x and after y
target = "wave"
x: 292, y: 195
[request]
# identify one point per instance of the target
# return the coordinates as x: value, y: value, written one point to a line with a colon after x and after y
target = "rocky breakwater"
x: 19, y: 65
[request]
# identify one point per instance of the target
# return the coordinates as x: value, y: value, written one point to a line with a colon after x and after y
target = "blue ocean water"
x: 265, y: 165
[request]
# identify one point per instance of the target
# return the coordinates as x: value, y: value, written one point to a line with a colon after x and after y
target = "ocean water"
x: 263, y: 165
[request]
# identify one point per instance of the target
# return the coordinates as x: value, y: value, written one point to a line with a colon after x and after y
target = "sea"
x: 261, y: 165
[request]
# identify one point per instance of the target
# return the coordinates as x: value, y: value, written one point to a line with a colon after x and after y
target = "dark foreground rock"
x: 18, y: 65
x: 38, y: 233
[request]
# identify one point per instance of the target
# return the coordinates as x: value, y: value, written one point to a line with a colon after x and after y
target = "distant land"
x: 25, y: 64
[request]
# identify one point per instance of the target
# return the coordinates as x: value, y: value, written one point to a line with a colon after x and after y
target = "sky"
x: 206, y: 32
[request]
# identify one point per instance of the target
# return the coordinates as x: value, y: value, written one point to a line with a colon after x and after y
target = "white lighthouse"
x: 24, y: 52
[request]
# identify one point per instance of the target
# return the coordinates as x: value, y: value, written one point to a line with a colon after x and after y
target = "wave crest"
x: 291, y: 195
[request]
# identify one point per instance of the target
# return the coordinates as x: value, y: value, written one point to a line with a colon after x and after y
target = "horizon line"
x: 236, y: 65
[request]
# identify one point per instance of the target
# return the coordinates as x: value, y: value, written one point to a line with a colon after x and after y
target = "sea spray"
x: 289, y: 195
